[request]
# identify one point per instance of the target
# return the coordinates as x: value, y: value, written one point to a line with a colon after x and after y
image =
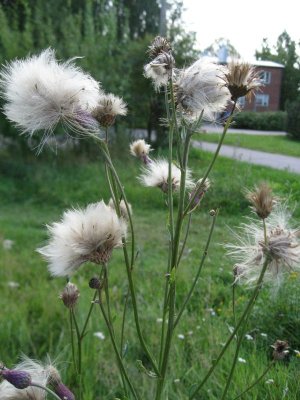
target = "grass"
x: 271, y: 144
x: 34, y: 321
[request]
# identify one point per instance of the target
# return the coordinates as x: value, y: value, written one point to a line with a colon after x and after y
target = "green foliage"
x: 293, y: 119
x: 35, y: 192
x: 112, y: 37
x: 265, y: 121
x: 285, y: 52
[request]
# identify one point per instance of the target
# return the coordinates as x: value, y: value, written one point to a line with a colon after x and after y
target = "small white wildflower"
x: 83, y: 235
x: 8, y: 244
x: 13, y: 285
x: 249, y: 337
x: 108, y: 107
x: 264, y: 335
x: 41, y: 92
x: 99, y: 335
x: 269, y: 381
x: 156, y: 174
x: 176, y: 380
x: 283, y: 248
x: 212, y: 312
x: 199, y: 88
x: 242, y: 360
x: 181, y: 336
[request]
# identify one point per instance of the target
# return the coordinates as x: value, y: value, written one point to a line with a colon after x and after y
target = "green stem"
x: 174, y: 265
x: 169, y: 336
x: 174, y: 123
x: 88, y: 316
x: 129, y: 265
x: 189, y: 207
x: 165, y: 304
x: 189, y: 295
x: 185, y: 238
x: 72, y: 340
x: 79, y: 349
x: 46, y: 389
x: 106, y: 291
x: 123, y: 323
x: 256, y: 381
x: 239, y: 324
x: 118, y: 356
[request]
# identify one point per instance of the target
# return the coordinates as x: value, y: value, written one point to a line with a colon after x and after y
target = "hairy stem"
x: 189, y: 295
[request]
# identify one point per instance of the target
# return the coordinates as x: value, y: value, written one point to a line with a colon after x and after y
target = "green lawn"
x: 34, y: 321
x: 270, y: 144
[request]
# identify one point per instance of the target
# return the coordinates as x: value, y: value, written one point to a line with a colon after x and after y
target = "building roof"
x: 262, y: 63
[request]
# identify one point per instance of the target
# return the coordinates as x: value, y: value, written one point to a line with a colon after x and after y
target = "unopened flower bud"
x: 261, y: 200
x: 70, y: 295
x: 63, y: 392
x: 19, y: 379
x: 212, y: 213
x: 200, y: 189
x: 158, y: 46
x: 281, y: 350
x: 95, y: 283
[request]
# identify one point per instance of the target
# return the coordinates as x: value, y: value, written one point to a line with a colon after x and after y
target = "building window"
x: 262, y: 100
x: 265, y: 77
x: 242, y: 101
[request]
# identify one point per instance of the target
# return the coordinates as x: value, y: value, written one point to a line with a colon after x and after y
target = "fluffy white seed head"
x: 140, y: 149
x: 156, y: 173
x: 250, y: 250
x: 159, y: 70
x: 108, y: 107
x: 199, y: 88
x: 39, y: 373
x: 40, y: 92
x: 83, y: 235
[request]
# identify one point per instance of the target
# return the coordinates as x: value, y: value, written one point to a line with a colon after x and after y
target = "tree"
x: 284, y: 52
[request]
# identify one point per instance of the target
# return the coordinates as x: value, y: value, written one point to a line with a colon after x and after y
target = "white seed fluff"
x: 40, y: 92
x: 250, y: 251
x: 200, y: 88
x: 156, y: 174
x: 83, y: 235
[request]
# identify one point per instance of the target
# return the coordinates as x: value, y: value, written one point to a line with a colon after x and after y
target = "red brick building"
x: 268, y: 97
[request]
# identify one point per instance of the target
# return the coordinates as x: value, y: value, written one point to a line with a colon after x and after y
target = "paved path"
x: 217, y: 128
x: 277, y: 161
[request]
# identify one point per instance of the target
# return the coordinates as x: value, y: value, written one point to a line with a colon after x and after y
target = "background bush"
x: 293, y: 119
x: 264, y: 121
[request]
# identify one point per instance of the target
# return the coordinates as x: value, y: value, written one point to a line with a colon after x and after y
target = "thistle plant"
x: 42, y: 93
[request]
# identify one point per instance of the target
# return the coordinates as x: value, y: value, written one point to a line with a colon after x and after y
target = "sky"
x: 244, y: 23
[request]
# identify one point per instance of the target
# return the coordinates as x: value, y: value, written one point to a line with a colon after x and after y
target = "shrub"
x: 271, y: 121
x: 293, y: 119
